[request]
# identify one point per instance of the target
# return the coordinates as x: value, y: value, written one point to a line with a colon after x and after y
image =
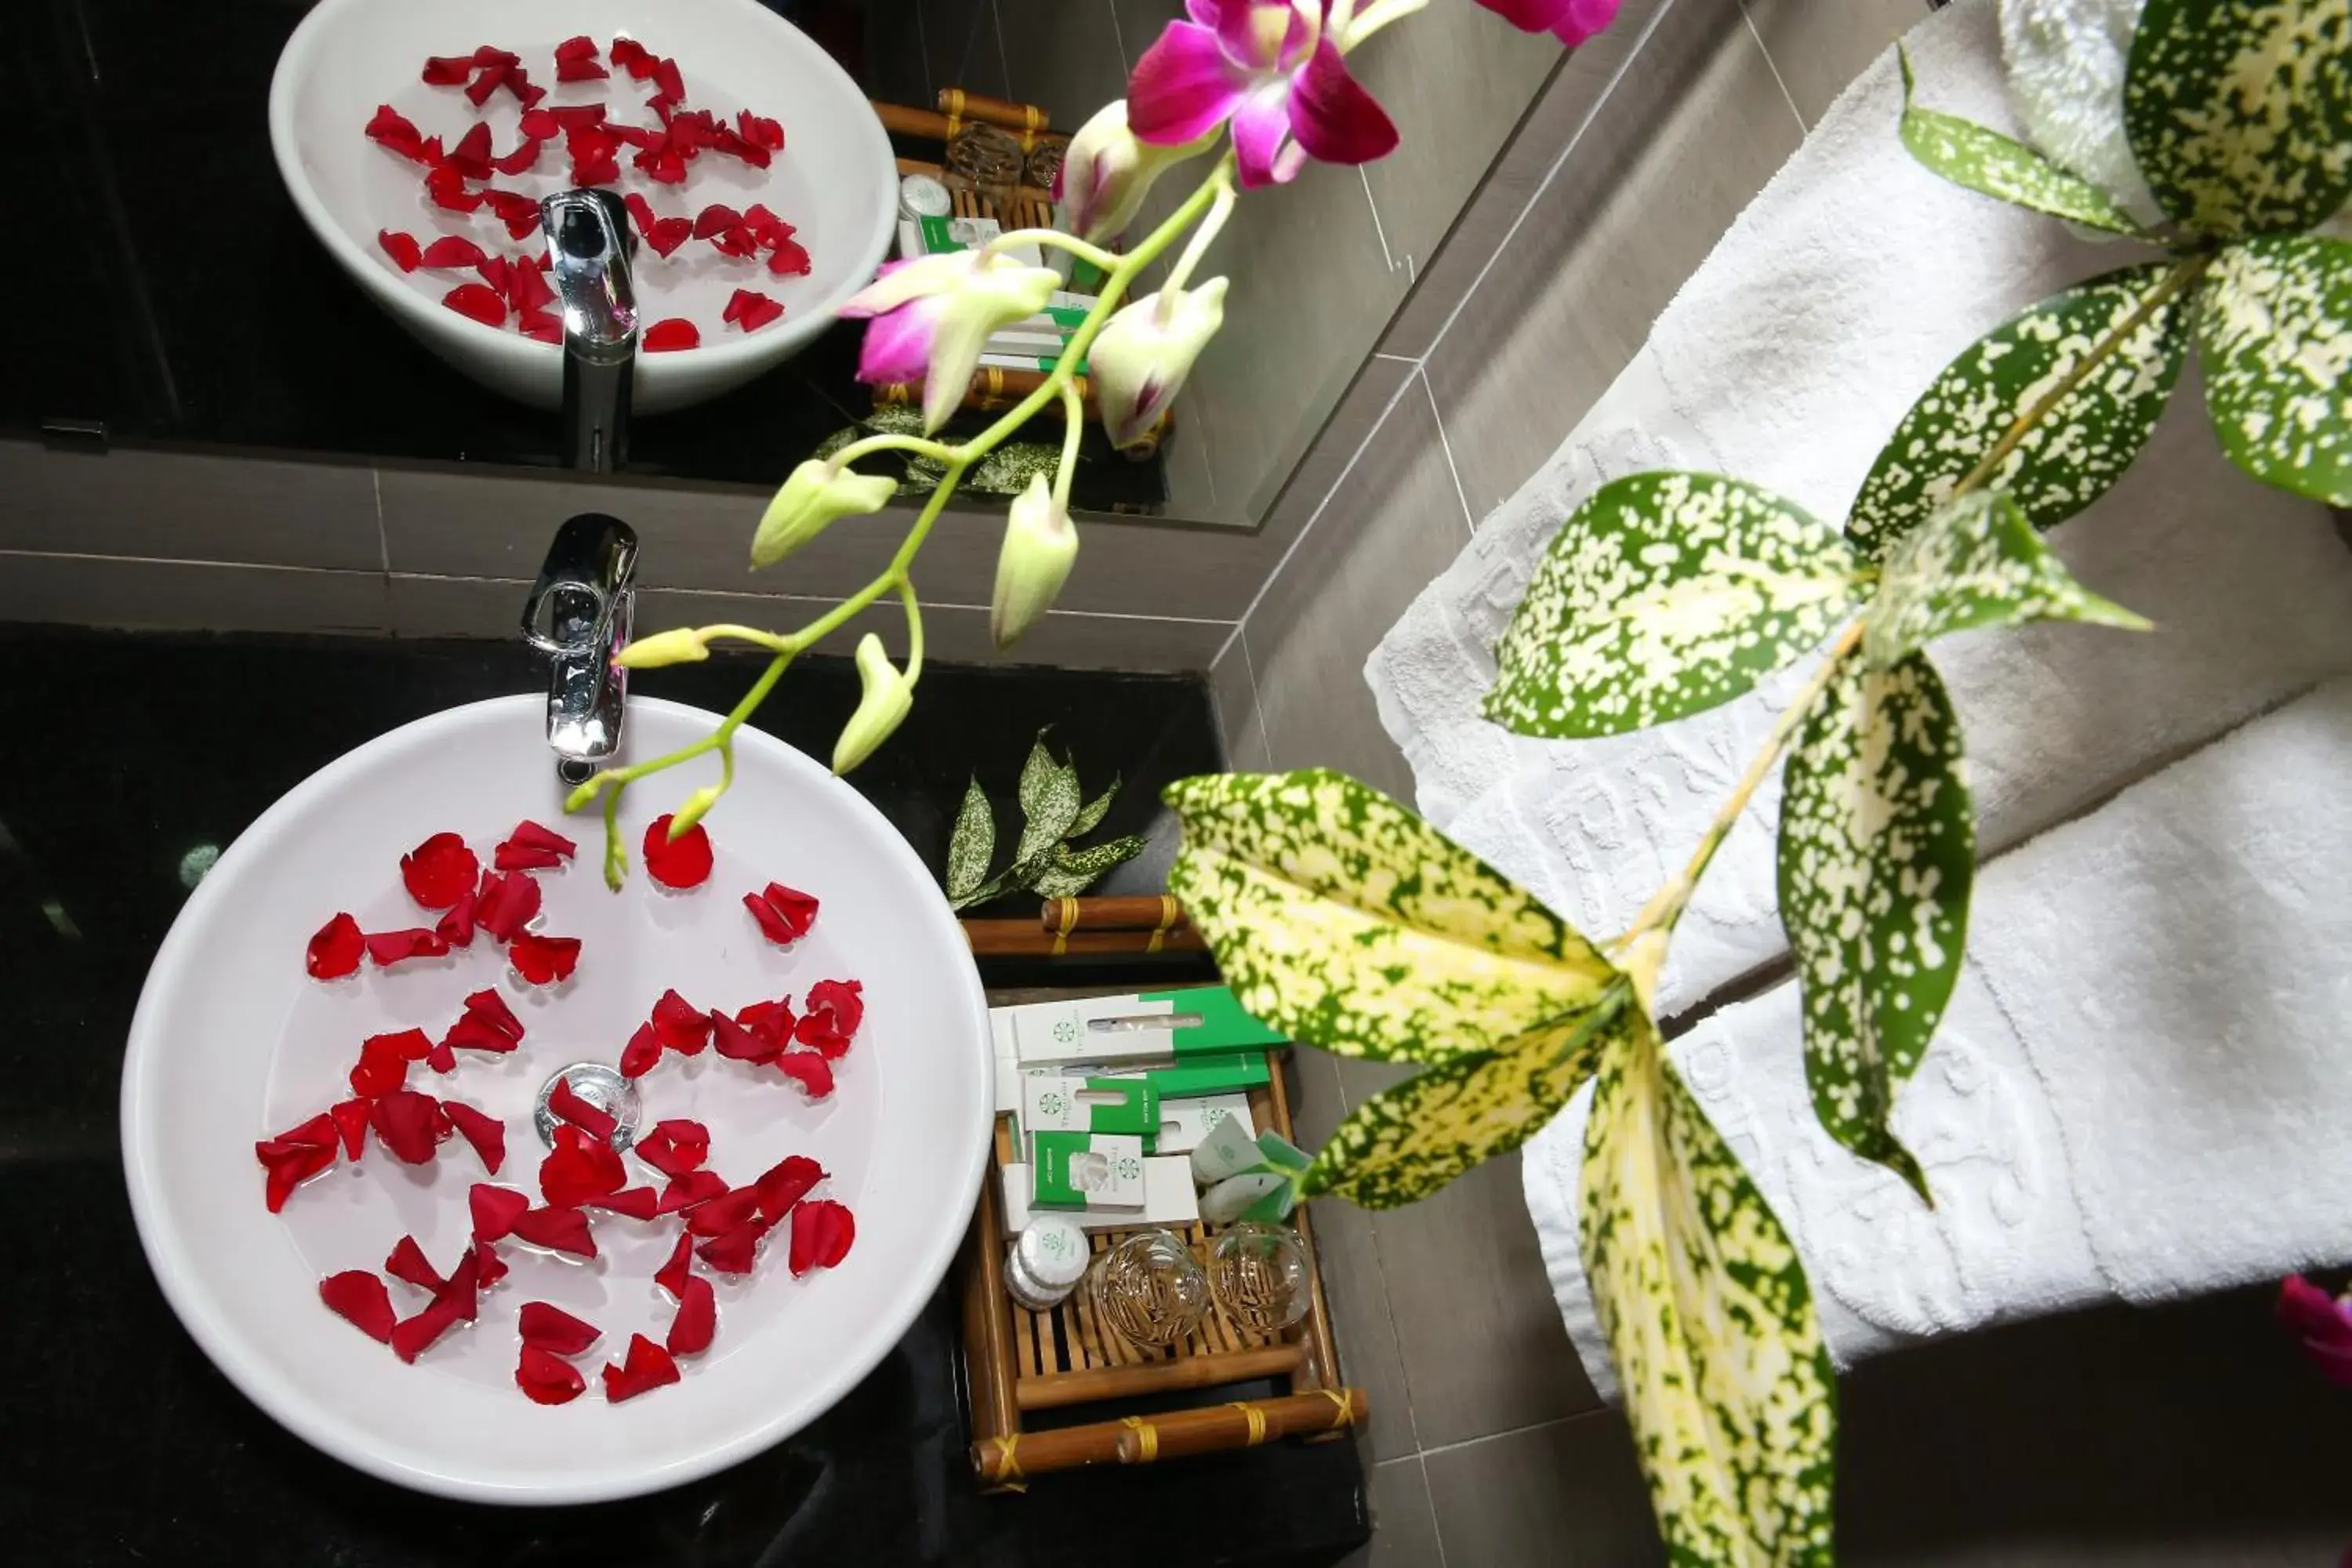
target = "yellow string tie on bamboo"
x: 1008, y: 1467
x: 1146, y: 1438
x: 1343, y: 1405
x: 1257, y: 1419
x: 1069, y: 921
x: 1171, y: 912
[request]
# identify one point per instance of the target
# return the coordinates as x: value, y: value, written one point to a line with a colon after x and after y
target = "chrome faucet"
x: 579, y: 610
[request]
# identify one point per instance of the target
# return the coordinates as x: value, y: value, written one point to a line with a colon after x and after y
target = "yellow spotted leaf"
x: 1728, y: 1385
x: 1340, y: 918
x: 1405, y: 1143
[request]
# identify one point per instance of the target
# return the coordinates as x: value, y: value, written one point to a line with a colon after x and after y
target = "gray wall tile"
x: 1233, y: 688
x: 1695, y: 127
x: 1561, y: 107
x: 1455, y: 78
x: 179, y: 506
x: 187, y: 596
x: 1063, y: 56
x: 961, y: 46
x: 1404, y: 1527
x: 481, y: 608
x: 1819, y: 46
x: 1359, y: 411
x: 1567, y: 1494
x: 1390, y: 525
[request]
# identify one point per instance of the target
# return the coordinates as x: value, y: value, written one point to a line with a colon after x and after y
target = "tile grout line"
x: 1396, y: 359
x: 1003, y: 56
x: 1380, y: 1272
x: 1257, y: 700
x: 1469, y: 521
x: 382, y: 539
x: 1436, y: 1531
x: 923, y: 47
x: 1119, y: 37
x: 1379, y: 229
x: 1512, y: 1432
x: 1528, y: 207
x: 1748, y: 15
x: 1316, y: 515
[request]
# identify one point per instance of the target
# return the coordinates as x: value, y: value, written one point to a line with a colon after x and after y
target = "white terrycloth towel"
x: 2141, y: 1090
x: 1787, y: 360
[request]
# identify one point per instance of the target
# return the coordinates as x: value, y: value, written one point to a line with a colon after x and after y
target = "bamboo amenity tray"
x: 1019, y: 1363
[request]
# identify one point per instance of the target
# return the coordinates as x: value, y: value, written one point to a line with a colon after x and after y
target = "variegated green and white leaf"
x: 2063, y: 461
x: 1877, y: 856
x: 2240, y: 111
x: 1405, y: 1143
x: 1728, y: 1385
x: 1092, y: 813
x: 1049, y: 800
x: 1340, y: 918
x: 2274, y: 337
x: 1976, y: 562
x: 1007, y: 471
x: 1068, y: 872
x: 1995, y: 165
x: 972, y: 845
x: 1662, y: 595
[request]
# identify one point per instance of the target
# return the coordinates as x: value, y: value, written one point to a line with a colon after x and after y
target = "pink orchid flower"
x: 2324, y: 1323
x: 1571, y: 21
x: 1273, y: 68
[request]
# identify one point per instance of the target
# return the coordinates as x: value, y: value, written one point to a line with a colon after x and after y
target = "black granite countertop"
x: 163, y: 288
x: 124, y: 755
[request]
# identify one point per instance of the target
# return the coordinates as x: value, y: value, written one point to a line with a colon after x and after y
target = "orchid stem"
x: 1220, y: 209
x: 913, y: 629
x: 937, y: 451
x: 1055, y: 240
x: 1074, y: 414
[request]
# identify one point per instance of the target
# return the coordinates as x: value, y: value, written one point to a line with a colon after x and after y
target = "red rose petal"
x: 676, y: 1146
x: 517, y: 211
x: 539, y: 324
x: 785, y: 1183
x: 691, y: 1188
x: 672, y: 1276
x: 540, y: 125
x: 401, y: 247
x: 382, y: 1067
x: 595, y: 171
x: 594, y: 1120
x: 493, y: 269
x: 580, y: 70
x: 641, y: 212
x: 583, y: 48
x: 360, y: 1298
x: 577, y: 116
x: 491, y: 1008
x: 442, y: 1058
x: 771, y: 1021
x: 295, y: 1156
x: 822, y: 1232
x: 409, y: 1263
x: 716, y: 218
x: 446, y: 187
x: 472, y: 1034
x: 758, y: 131
x: 579, y: 1170
x: 752, y: 310
x: 642, y: 1054
x: 683, y: 1027
x: 526, y: 289
x: 350, y: 1118
x: 415, y: 1336
x: 666, y: 77
x: 391, y: 947
x: 449, y: 250
x: 835, y: 1009
x: 507, y: 903
x: 414, y: 1045
x: 685, y: 861
x: 511, y: 856
x: 519, y: 83
x: 738, y: 1044
x: 558, y: 1230
x: 408, y: 1123
x: 487, y: 1133
x: 447, y: 70
x: 737, y: 242
x: 553, y: 1330
x: 631, y: 1203
x: 697, y: 1321
x: 667, y: 234
x: 334, y: 949
x: 669, y: 336
x: 492, y: 1266
x: 646, y: 1367
x: 719, y: 1216
x: 784, y: 914
x: 389, y: 128
x: 547, y: 1379
x: 495, y: 1210
x: 543, y: 959
x: 789, y: 259
x: 457, y: 927
x: 737, y: 1252
x: 478, y: 300
x: 809, y: 1069
x: 632, y: 56
x: 471, y: 155
x: 462, y: 1289
x: 536, y: 836
x: 491, y: 77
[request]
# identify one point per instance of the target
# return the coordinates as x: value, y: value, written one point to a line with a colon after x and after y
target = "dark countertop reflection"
x: 125, y: 754
x: 163, y: 288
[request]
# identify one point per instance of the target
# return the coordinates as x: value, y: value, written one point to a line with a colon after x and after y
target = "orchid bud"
x: 1041, y: 544
x: 931, y: 317
x: 886, y: 696
x: 683, y: 646
x: 1143, y: 355
x: 698, y: 805
x: 815, y: 493
x: 1107, y: 171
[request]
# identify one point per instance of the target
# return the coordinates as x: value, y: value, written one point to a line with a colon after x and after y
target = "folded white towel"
x: 1787, y: 360
x: 2140, y: 1090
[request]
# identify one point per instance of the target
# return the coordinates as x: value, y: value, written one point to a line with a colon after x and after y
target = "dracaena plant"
x: 1340, y: 916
